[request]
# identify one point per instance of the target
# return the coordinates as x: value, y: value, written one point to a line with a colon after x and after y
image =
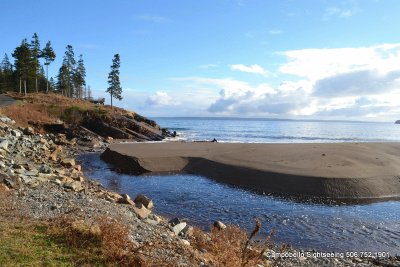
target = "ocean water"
x: 280, y: 131
x: 373, y: 227
x: 339, y: 227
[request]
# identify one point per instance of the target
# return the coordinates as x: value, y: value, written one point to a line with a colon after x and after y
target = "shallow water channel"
x: 340, y: 228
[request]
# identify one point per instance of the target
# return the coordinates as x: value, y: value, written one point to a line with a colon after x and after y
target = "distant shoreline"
x: 344, y: 171
x: 266, y: 119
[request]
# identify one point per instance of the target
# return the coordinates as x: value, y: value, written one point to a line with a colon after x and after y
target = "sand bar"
x: 334, y: 170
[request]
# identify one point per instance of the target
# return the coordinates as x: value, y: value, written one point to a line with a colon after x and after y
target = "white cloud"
x: 250, y: 69
x: 316, y: 64
x: 337, y: 12
x: 160, y: 99
x: 356, y: 83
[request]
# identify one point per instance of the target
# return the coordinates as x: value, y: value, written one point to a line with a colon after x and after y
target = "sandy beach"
x: 334, y: 170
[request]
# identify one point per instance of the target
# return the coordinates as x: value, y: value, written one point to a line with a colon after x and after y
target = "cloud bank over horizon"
x: 328, y: 83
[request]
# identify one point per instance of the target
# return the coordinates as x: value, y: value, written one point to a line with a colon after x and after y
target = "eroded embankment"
x: 338, y: 171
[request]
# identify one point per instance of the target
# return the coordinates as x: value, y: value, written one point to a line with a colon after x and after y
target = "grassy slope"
x: 48, y: 108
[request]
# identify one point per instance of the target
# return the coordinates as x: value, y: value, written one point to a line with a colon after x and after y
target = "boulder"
x: 219, y: 225
x: 29, y: 131
x: 68, y: 162
x: 174, y: 221
x: 75, y: 186
x: 8, y: 183
x: 78, y: 167
x: 178, y: 228
x: 187, y: 231
x: 53, y: 156
x: 3, y: 188
x: 16, y: 133
x: 4, y: 143
x: 44, y: 169
x: 146, y: 201
x: 125, y: 199
x: 141, y: 212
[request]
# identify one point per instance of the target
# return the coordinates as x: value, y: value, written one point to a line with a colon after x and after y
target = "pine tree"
x: 89, y: 93
x: 79, y: 77
x: 35, y: 53
x: 6, y: 69
x: 52, y: 84
x: 63, y: 80
x: 23, y: 63
x: 114, y: 88
x: 69, y: 63
x: 49, y: 56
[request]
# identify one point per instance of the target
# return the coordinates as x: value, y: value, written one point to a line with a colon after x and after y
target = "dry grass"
x: 72, y: 241
x: 231, y: 246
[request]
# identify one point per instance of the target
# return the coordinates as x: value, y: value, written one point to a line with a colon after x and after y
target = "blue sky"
x: 285, y: 59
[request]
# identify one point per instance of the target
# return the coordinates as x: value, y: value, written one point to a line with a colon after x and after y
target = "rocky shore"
x: 39, y: 171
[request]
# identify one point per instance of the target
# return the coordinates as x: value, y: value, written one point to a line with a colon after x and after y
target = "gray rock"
x: 146, y: 201
x: 9, y: 183
x: 6, y: 120
x: 4, y: 143
x: 10, y: 172
x: 178, y: 228
x: 75, y: 186
x: 187, y: 231
x: 44, y: 169
x: 31, y: 173
x: 16, y: 133
x: 125, y: 199
x: 174, y: 221
x: 25, y: 179
x: 29, y: 131
x: 219, y: 225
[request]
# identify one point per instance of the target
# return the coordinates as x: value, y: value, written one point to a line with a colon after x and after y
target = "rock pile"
x: 30, y: 159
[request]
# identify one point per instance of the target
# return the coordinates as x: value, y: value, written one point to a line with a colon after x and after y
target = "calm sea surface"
x: 274, y: 131
x: 361, y: 227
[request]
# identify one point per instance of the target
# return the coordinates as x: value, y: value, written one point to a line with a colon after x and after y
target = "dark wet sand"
x: 334, y: 170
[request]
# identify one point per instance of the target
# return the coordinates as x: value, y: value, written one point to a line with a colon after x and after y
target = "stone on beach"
x: 141, y: 212
x: 126, y: 199
x: 219, y: 225
x: 178, y: 228
x: 146, y: 201
x: 68, y: 162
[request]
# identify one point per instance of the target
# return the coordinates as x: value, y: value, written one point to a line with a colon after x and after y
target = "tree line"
x: 27, y: 73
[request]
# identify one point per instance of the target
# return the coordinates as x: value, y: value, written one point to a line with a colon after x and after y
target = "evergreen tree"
x: 89, y: 92
x: 52, y: 84
x: 69, y: 63
x: 79, y: 77
x: 114, y: 88
x: 35, y: 53
x: 23, y: 63
x: 49, y: 56
x: 63, y: 80
x: 6, y: 73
